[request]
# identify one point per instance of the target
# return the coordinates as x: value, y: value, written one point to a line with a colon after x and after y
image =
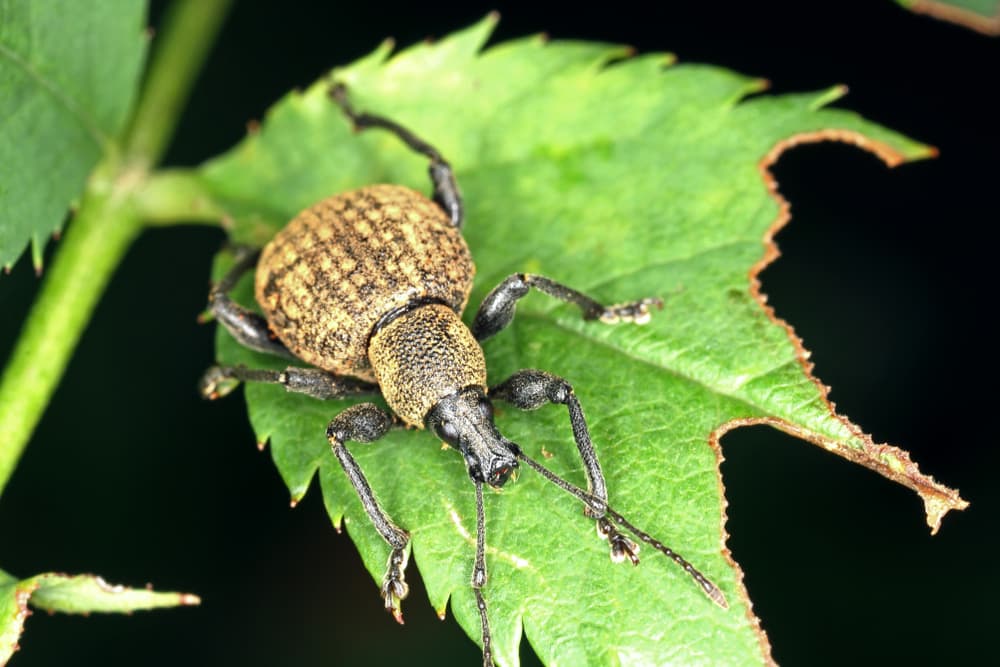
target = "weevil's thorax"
x: 423, y: 356
x: 331, y: 275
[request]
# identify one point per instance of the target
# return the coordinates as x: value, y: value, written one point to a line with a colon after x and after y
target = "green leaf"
x: 71, y: 594
x: 623, y: 178
x: 69, y: 73
x: 979, y: 15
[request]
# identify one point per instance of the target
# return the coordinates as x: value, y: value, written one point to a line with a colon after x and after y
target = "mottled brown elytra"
x: 368, y: 288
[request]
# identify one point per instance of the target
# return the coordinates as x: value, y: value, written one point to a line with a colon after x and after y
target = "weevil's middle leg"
x: 219, y: 381
x: 443, y: 178
x: 531, y: 389
x: 497, y: 309
x: 247, y: 327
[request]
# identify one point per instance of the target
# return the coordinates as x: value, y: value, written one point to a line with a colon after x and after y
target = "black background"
x: 886, y: 274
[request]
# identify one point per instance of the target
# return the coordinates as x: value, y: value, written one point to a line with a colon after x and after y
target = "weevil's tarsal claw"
x: 621, y: 546
x: 636, y: 312
x: 714, y: 593
x: 394, y: 587
x: 605, y: 527
x: 216, y: 383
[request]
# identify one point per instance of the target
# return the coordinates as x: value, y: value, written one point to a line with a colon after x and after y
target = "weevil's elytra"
x: 368, y: 288
x: 327, y: 278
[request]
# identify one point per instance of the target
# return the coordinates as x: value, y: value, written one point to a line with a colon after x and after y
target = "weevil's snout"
x: 465, y: 421
x: 501, y: 473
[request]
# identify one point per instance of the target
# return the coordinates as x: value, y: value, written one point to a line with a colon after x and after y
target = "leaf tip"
x: 937, y: 506
x: 828, y: 96
x: 37, y: 254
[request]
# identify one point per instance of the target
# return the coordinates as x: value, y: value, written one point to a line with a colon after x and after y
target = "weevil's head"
x: 464, y: 420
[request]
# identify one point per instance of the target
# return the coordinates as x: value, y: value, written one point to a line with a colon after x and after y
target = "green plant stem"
x: 188, y: 34
x: 171, y: 196
x: 91, y: 249
x: 104, y: 227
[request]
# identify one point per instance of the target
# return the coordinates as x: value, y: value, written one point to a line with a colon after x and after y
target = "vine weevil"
x: 368, y: 288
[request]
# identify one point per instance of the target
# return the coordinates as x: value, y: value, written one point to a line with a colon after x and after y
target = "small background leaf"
x: 622, y: 179
x: 980, y: 15
x: 71, y: 594
x: 69, y: 72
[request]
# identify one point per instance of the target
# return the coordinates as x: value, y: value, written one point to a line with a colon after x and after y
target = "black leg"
x: 218, y: 381
x: 497, y: 309
x: 531, y: 389
x: 367, y: 423
x: 445, y: 188
x: 247, y: 327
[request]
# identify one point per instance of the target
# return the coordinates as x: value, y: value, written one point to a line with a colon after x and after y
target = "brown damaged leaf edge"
x: 987, y: 25
x: 888, y: 461
x: 22, y: 594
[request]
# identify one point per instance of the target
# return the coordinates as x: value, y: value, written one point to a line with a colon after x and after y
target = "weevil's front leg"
x: 497, y: 309
x: 445, y: 187
x: 531, y: 389
x: 219, y: 381
x: 247, y: 327
x: 367, y: 423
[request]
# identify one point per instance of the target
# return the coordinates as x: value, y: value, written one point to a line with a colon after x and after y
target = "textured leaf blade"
x: 68, y: 77
x: 624, y: 179
x: 71, y: 594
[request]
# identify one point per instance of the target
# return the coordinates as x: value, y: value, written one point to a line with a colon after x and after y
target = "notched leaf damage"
x: 890, y: 462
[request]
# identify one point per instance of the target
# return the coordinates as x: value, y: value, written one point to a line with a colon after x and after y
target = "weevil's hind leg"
x: 247, y: 327
x: 445, y: 187
x: 531, y: 389
x: 367, y: 423
x: 219, y: 381
x: 497, y: 309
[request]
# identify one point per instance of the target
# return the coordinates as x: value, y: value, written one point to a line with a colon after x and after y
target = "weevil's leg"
x: 497, y: 309
x: 367, y: 423
x: 247, y: 327
x: 445, y: 187
x: 479, y: 577
x: 219, y: 381
x: 531, y: 389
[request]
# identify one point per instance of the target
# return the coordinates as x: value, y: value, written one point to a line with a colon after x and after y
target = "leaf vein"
x: 85, y: 120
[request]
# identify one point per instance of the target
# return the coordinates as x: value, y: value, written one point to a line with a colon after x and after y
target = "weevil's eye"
x: 486, y: 408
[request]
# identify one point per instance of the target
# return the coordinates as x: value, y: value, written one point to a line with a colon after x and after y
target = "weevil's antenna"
x: 479, y: 576
x: 708, y: 588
